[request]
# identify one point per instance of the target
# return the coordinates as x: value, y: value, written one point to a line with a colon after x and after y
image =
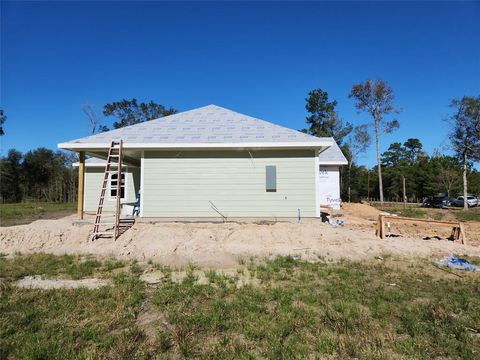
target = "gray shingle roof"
x: 332, y: 156
x: 208, y: 125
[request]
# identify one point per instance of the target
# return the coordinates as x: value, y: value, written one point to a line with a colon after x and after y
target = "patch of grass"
x: 73, y: 267
x: 366, y: 310
x: 78, y: 270
x: 438, y: 216
x: 361, y: 310
x: 112, y: 264
x: 470, y: 215
x: 38, y: 264
x: 68, y: 323
x: 407, y: 211
x: 24, y: 213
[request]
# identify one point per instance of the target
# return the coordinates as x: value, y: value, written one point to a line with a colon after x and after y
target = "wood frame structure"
x: 458, y: 230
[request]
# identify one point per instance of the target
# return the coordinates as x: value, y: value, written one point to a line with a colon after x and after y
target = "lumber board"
x: 440, y: 222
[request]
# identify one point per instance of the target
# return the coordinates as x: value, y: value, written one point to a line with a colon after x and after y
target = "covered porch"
x: 91, y: 166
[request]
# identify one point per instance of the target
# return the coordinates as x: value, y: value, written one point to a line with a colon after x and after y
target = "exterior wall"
x: 329, y: 190
x: 182, y: 184
x: 93, y: 184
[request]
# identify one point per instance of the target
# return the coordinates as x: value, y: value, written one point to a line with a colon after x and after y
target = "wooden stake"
x: 454, y: 236
x: 81, y: 184
x: 462, y: 234
x: 382, y: 227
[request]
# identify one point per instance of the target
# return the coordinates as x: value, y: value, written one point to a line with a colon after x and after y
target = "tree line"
x: 45, y: 175
x: 426, y: 175
x: 38, y: 175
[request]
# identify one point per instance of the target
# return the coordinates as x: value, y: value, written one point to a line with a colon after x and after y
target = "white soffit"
x: 332, y: 156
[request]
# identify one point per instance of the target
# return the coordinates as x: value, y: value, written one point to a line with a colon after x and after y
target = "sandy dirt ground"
x: 361, y: 216
x: 37, y: 282
x: 227, y: 245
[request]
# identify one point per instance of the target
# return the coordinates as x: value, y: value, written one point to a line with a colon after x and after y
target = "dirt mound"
x: 226, y: 245
x: 360, y: 210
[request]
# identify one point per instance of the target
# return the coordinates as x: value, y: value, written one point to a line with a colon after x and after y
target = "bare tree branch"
x: 94, y: 117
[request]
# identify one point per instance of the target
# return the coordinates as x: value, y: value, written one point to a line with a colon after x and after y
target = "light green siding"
x: 93, y: 184
x: 186, y: 183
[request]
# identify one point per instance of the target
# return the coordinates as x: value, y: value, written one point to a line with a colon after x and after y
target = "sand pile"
x: 360, y: 210
x: 223, y: 245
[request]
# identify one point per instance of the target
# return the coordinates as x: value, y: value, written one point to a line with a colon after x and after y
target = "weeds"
x: 49, y: 265
x: 24, y: 213
x: 408, y: 212
x: 365, y: 310
x: 470, y: 215
x: 347, y: 310
x: 438, y: 216
x: 78, y: 270
x: 112, y: 264
x: 67, y: 324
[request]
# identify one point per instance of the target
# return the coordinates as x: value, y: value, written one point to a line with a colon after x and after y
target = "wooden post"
x: 404, y: 192
x: 462, y: 234
x: 81, y: 184
x: 380, y: 231
x: 382, y: 225
x: 119, y: 190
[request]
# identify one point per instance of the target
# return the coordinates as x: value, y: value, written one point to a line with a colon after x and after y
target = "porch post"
x: 317, y: 183
x: 81, y: 184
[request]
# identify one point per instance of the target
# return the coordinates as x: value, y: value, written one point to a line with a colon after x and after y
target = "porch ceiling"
x: 130, y: 157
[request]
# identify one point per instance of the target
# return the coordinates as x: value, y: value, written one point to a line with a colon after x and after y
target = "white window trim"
x: 114, y: 198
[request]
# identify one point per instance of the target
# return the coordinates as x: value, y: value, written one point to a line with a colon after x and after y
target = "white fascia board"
x: 344, y: 162
x: 76, y: 164
x: 257, y: 145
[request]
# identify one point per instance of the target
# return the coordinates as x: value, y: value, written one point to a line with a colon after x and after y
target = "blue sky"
x: 260, y: 59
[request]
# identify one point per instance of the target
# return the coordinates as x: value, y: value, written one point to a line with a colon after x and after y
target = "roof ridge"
x: 258, y: 119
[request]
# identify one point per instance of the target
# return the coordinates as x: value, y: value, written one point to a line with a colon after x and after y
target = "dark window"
x: 271, y: 178
x: 113, y: 186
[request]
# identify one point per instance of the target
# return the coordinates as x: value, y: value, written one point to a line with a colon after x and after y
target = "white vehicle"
x: 471, y: 201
